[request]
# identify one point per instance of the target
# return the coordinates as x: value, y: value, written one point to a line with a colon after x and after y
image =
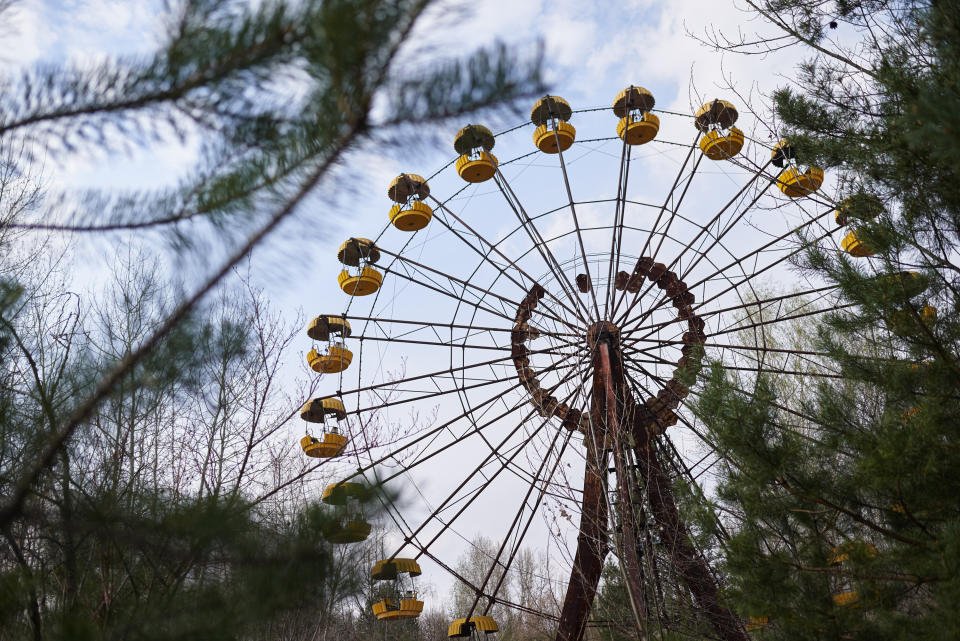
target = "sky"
x: 593, y: 50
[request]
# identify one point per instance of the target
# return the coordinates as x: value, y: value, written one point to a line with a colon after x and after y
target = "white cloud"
x: 24, y: 35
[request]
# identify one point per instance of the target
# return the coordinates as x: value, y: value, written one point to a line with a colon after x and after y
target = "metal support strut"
x: 617, y: 427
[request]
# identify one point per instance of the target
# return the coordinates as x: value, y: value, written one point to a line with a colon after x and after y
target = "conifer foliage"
x: 843, y: 500
x: 140, y: 494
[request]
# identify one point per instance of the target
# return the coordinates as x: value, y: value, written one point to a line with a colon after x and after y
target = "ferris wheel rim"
x: 474, y: 308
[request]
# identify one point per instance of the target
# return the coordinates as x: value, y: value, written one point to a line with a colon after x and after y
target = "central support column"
x: 591, y: 549
x: 607, y: 409
x: 618, y: 425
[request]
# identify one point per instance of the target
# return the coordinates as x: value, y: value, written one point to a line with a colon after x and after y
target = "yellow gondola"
x: 412, y: 217
x: 859, y: 207
x: 336, y: 357
x: 843, y: 592
x: 362, y: 284
x: 757, y: 623
x: 347, y: 532
x: 319, y: 410
x: 717, y: 146
x: 905, y: 283
x: 349, y: 526
x: 473, y: 627
x: 359, y: 253
x: 908, y: 415
x: 855, y: 247
x: 323, y: 410
x: 720, y: 140
x: 476, y: 164
x: 332, y: 444
x: 903, y: 323
x: 637, y: 126
x: 553, y: 133
x: 409, y: 213
x: 795, y: 181
x: 403, y: 602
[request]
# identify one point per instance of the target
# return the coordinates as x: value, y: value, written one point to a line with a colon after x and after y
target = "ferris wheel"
x: 550, y: 313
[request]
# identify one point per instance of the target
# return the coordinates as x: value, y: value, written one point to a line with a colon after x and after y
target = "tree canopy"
x: 842, y: 499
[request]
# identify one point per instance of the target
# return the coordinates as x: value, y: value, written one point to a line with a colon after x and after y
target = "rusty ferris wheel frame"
x: 587, y: 356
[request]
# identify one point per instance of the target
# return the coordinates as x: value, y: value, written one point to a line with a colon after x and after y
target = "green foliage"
x: 145, y: 492
x: 864, y: 466
x: 612, y: 612
x: 272, y: 95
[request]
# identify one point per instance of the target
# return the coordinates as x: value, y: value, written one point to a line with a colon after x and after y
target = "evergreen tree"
x: 139, y: 501
x: 611, y: 612
x: 843, y: 501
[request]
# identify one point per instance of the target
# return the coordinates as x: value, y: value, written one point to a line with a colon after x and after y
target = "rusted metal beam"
x: 591, y: 548
x: 686, y: 559
x: 608, y: 381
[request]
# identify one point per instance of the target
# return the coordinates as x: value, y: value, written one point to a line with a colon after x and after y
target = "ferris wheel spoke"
x: 575, y: 372
x: 619, y: 213
x: 799, y: 431
x: 670, y: 192
x: 703, y: 229
x: 783, y: 319
x: 757, y: 252
x: 533, y: 511
x: 541, y: 246
x: 438, y: 373
x: 375, y: 390
x: 576, y: 225
x: 437, y: 343
x: 758, y: 311
x: 491, y: 456
x: 774, y: 370
x: 511, y: 263
x: 773, y: 299
x: 516, y: 519
x: 654, y: 227
x: 753, y: 273
x: 442, y: 325
x: 476, y: 429
x: 632, y: 352
x: 731, y: 224
x: 676, y: 206
x: 452, y: 295
x: 746, y: 348
x: 558, y: 337
x: 423, y: 269
x: 632, y: 339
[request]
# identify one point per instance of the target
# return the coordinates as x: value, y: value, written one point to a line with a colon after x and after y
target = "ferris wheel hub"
x: 603, y: 331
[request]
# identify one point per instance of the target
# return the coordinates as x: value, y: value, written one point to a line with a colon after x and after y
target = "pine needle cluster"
x: 843, y: 501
